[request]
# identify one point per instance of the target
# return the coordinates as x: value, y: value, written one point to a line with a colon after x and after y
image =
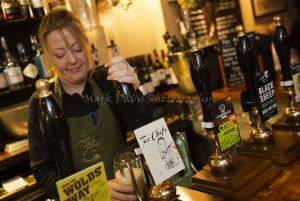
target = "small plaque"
x: 159, y: 150
x: 296, y: 79
x: 88, y: 184
x: 267, y: 106
x: 225, y: 123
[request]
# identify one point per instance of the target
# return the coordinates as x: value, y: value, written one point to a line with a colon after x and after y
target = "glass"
x: 126, y: 165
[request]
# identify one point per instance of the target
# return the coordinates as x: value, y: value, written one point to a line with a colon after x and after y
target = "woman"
x: 93, y: 124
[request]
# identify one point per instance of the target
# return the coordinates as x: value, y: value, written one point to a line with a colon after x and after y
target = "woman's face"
x: 69, y: 60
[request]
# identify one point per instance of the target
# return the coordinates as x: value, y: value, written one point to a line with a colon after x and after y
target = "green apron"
x: 96, y: 136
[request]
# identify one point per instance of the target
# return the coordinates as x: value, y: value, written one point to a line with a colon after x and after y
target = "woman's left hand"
x: 121, y: 71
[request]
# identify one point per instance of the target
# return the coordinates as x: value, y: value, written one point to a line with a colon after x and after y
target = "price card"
x: 89, y: 184
x: 159, y: 150
x: 225, y: 123
x: 296, y: 79
x: 266, y: 96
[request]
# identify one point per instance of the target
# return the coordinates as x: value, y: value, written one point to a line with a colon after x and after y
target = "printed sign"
x: 296, y: 79
x: 159, y: 150
x: 267, y: 106
x: 225, y: 123
x: 89, y: 184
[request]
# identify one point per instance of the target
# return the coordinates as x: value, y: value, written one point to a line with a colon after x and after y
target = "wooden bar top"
x: 285, y: 187
x: 192, y: 195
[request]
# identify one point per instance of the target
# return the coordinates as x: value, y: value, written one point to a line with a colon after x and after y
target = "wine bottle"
x: 3, y: 82
x: 127, y: 97
x: 153, y: 74
x: 246, y: 62
x: 202, y: 82
x: 283, y: 49
x: 160, y: 72
x: 38, y: 8
x: 11, y: 9
x: 55, y: 128
x: 30, y: 71
x: 12, y: 71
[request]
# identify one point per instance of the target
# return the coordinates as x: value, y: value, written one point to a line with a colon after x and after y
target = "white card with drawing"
x: 159, y: 150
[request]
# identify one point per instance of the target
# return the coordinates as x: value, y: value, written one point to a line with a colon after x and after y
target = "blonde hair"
x: 60, y: 19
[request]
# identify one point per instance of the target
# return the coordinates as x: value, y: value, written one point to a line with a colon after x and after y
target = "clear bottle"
x: 30, y: 70
x: 12, y: 70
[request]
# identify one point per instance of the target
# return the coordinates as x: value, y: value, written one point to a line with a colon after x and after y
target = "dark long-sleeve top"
x: 77, y: 107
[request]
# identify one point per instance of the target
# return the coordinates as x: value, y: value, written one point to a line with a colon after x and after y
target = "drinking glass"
x: 129, y: 171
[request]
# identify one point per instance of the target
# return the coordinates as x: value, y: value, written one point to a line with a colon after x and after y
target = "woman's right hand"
x: 119, y: 192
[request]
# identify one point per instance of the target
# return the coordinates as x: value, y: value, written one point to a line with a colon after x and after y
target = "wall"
x: 138, y: 30
x: 261, y: 25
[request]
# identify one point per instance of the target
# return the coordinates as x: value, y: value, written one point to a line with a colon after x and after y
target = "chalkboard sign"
x: 228, y: 16
x: 198, y: 23
x: 232, y: 71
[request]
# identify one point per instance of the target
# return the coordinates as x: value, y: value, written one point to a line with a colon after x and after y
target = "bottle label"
x: 30, y: 71
x: 155, y: 80
x: 14, y: 75
x: 37, y: 3
x: 161, y: 74
x: 3, y: 83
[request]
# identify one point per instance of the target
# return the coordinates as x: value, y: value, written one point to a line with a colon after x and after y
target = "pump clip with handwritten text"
x: 266, y: 105
x: 159, y: 150
x: 225, y: 123
x: 89, y: 184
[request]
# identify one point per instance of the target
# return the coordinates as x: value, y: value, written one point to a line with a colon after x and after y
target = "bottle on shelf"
x: 3, y: 82
x: 160, y: 72
x: 25, y: 9
x: 146, y: 85
x: 11, y: 9
x: 152, y: 72
x: 40, y: 60
x: 38, y: 8
x: 30, y: 71
x: 171, y: 79
x: 12, y: 70
x: 55, y: 128
x: 96, y: 55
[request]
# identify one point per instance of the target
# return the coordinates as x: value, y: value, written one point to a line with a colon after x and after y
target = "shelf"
x: 18, y: 22
x: 11, y: 97
x: 8, y: 160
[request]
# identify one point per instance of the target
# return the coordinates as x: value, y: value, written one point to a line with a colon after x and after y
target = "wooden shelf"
x: 7, y: 160
x: 10, y: 23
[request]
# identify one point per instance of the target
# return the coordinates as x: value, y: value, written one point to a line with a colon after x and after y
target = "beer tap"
x: 260, y: 132
x: 283, y: 50
x: 218, y: 161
